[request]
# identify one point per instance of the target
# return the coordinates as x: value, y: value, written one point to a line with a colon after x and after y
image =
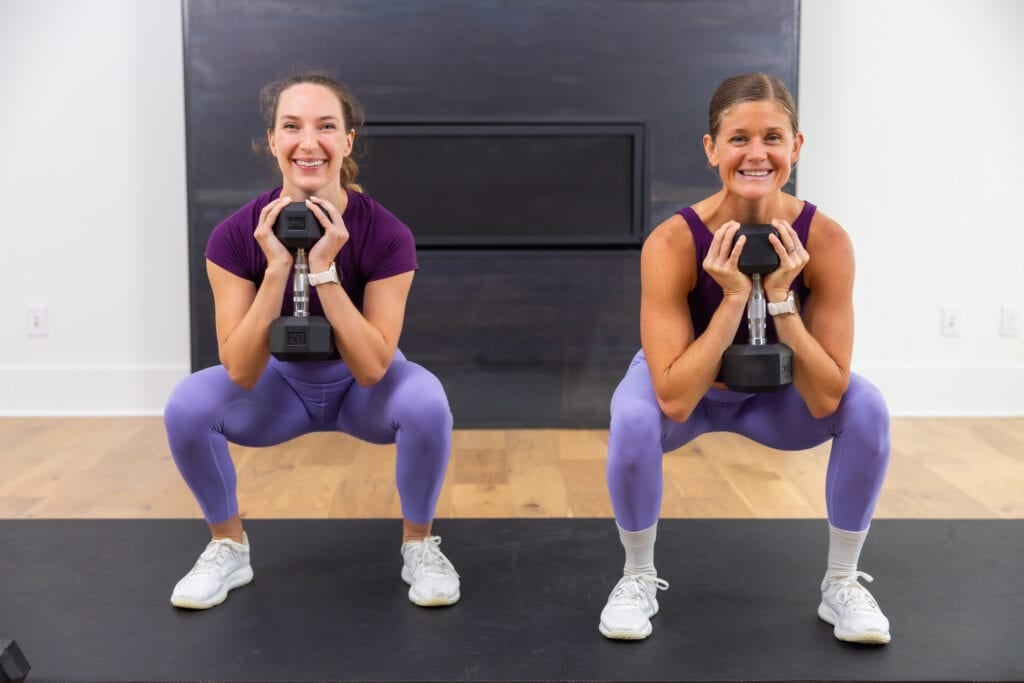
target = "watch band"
x: 329, y: 275
x: 783, y: 307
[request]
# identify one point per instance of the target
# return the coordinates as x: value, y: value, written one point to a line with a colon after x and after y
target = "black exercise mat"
x: 87, y: 600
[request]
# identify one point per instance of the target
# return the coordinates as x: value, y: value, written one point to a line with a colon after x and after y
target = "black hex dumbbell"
x: 300, y: 336
x: 14, y: 667
x: 757, y: 366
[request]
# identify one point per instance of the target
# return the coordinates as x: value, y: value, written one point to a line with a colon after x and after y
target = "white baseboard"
x: 117, y: 390
x: 86, y: 390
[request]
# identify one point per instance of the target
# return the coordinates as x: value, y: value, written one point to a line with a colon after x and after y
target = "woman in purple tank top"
x: 692, y: 309
x: 361, y: 269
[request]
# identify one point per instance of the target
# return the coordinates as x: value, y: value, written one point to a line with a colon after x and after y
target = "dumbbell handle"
x: 300, y: 285
x: 756, y: 312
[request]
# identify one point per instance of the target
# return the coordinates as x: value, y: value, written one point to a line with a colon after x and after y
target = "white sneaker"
x: 849, y: 607
x: 224, y: 565
x: 632, y: 603
x: 432, y: 579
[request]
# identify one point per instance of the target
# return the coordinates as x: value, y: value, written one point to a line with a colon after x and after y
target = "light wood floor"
x: 122, y: 468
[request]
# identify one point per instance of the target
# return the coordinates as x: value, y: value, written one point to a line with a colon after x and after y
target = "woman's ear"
x: 709, y: 150
x: 270, y: 142
x: 798, y: 142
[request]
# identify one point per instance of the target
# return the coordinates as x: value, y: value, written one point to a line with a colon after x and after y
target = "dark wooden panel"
x: 537, y: 338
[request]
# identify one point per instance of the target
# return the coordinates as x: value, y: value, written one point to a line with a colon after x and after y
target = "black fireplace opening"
x: 494, y: 185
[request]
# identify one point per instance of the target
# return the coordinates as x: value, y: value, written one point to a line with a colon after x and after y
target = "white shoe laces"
x: 854, y: 595
x: 212, y: 559
x: 430, y: 559
x: 632, y: 591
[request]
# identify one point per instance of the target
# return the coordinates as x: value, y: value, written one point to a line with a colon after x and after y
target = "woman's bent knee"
x: 864, y: 404
x: 421, y: 399
x: 194, y: 403
x: 634, y: 439
x: 635, y: 421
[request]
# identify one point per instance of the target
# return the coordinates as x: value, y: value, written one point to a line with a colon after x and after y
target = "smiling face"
x: 310, y: 140
x: 754, y: 149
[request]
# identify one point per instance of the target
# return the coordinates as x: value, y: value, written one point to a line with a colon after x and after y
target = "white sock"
x: 843, y: 552
x: 639, y: 547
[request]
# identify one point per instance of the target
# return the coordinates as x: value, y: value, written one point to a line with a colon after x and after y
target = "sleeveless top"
x: 706, y: 295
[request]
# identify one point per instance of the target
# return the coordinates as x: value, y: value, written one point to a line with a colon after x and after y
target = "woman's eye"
x: 737, y: 140
x: 329, y: 126
x: 773, y: 139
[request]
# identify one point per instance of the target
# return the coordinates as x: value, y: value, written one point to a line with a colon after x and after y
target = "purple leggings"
x: 408, y: 407
x: 640, y: 433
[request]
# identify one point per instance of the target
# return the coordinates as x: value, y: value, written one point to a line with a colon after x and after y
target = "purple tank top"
x: 707, y: 294
x: 379, y: 246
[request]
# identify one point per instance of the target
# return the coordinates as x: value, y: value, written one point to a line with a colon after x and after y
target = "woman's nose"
x: 757, y: 150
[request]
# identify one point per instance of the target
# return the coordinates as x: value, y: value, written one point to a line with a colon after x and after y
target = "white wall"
x: 92, y: 186
x: 911, y: 110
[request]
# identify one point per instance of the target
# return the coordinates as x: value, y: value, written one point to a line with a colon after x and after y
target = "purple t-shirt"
x: 707, y: 294
x: 379, y: 246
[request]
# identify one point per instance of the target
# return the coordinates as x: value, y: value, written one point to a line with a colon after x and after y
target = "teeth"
x: 759, y: 174
x: 309, y: 164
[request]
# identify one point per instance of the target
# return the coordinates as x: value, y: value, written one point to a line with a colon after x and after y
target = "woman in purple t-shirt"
x: 692, y: 307
x: 363, y: 265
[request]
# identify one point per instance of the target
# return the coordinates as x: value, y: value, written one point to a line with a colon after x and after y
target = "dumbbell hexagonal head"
x: 757, y: 368
x: 293, y: 338
x: 758, y: 255
x: 297, y: 227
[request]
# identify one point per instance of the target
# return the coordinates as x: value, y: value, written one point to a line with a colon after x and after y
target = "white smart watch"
x: 329, y: 275
x: 790, y: 305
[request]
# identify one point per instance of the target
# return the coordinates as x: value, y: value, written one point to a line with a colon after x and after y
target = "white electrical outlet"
x: 37, y: 320
x: 950, y: 323
x: 1009, y: 321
